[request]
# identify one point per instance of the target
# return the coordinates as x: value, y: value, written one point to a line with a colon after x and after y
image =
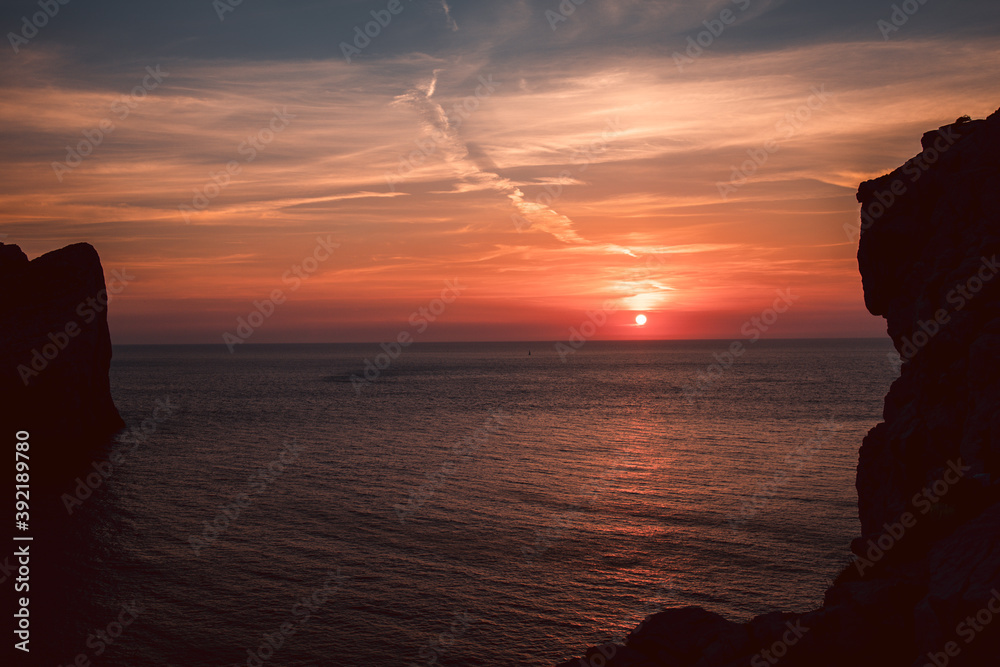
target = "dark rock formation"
x: 925, y: 586
x: 55, y: 348
x: 55, y: 353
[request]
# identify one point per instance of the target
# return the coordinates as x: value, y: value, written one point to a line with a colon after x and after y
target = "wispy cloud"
x: 651, y: 192
x: 447, y: 15
x: 456, y: 152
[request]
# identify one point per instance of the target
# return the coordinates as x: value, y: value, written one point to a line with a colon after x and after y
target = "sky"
x: 473, y: 170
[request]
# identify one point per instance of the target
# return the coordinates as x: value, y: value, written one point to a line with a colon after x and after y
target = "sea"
x: 464, y: 504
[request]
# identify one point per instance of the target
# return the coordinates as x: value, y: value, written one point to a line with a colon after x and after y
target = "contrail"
x: 447, y: 15
x: 456, y: 152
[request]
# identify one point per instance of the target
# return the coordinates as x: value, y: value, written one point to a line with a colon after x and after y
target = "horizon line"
x: 543, y: 342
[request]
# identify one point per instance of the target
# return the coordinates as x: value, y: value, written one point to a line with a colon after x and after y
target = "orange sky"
x: 638, y: 220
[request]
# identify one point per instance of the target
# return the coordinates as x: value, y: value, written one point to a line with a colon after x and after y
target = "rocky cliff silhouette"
x: 55, y: 348
x: 55, y: 353
x: 924, y: 584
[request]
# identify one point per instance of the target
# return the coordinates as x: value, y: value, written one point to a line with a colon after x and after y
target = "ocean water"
x: 473, y: 505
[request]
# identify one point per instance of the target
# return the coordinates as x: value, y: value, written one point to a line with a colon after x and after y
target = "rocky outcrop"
x: 55, y: 348
x: 55, y: 354
x: 924, y: 587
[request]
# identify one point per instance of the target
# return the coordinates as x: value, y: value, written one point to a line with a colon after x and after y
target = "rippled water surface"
x: 474, y: 504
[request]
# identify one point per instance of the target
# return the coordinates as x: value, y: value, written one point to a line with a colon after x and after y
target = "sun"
x: 640, y: 319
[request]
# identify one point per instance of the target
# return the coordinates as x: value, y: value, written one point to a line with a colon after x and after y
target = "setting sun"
x: 640, y: 319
